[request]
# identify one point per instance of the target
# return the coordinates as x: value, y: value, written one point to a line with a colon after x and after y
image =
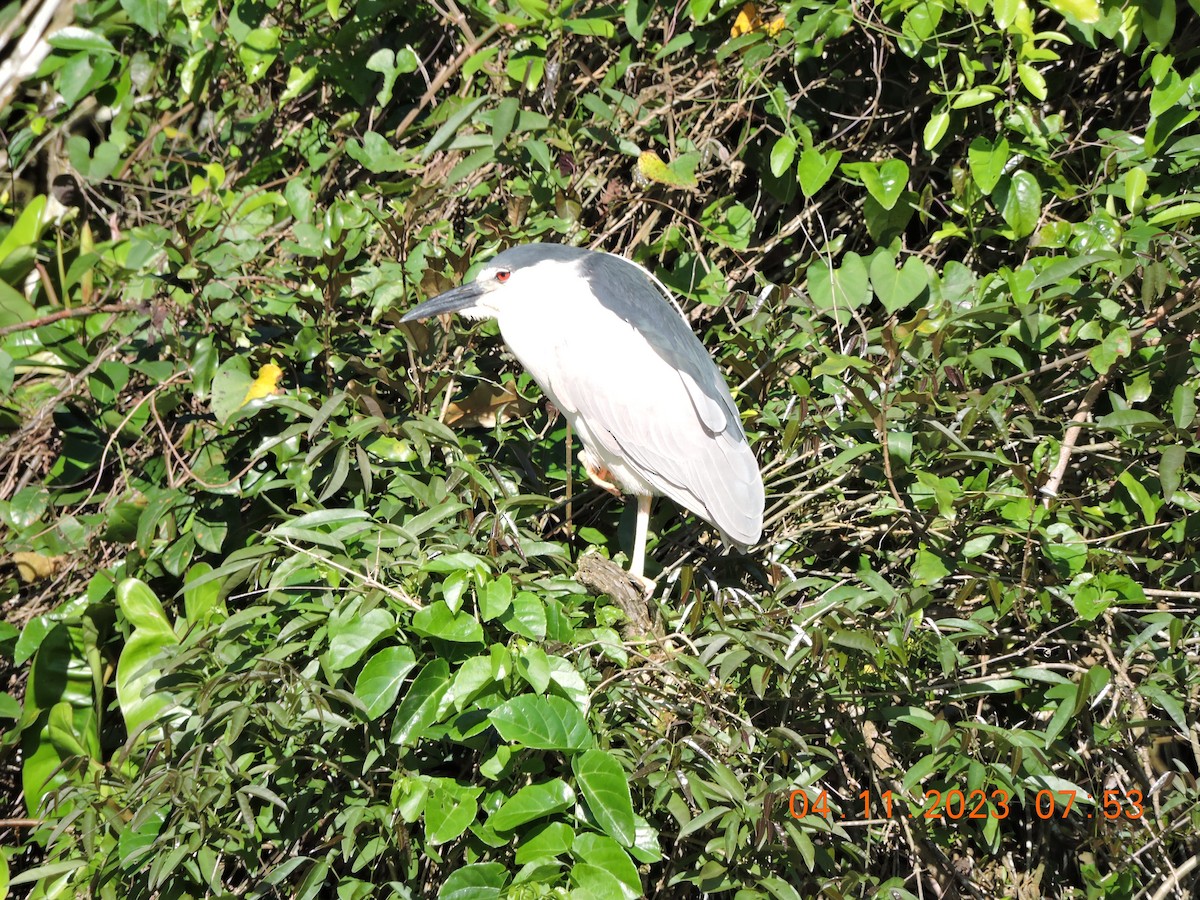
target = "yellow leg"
x: 600, y: 476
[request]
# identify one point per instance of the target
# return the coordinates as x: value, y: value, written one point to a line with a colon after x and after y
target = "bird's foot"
x: 648, y: 585
x: 599, y: 474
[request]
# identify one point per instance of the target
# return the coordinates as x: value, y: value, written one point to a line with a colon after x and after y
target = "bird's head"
x: 522, y: 273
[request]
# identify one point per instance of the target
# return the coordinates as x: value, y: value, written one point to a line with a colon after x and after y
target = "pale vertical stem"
x: 637, y: 562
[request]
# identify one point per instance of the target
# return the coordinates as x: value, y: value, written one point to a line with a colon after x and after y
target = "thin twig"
x: 76, y: 313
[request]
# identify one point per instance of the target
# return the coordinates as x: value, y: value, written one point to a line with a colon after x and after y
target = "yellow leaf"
x: 37, y: 566
x: 750, y: 19
x: 1087, y: 11
x: 266, y: 384
x: 650, y: 167
x: 747, y: 21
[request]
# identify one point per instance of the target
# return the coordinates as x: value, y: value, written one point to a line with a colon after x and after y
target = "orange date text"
x: 955, y: 805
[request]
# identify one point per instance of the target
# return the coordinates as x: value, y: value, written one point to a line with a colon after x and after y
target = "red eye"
x: 503, y: 275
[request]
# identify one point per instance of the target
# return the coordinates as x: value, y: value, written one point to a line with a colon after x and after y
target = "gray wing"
x: 663, y: 405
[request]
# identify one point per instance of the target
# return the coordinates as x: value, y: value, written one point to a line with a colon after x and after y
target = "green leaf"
x: 1085, y: 11
x: 376, y: 154
x: 987, y: 161
x: 1170, y: 467
x: 1088, y: 596
x: 526, y: 617
x: 1020, y: 201
x: 607, y: 855
x: 534, y: 667
x: 816, y: 168
x: 352, y: 635
x: 604, y: 784
x: 449, y: 811
x: 729, y: 224
x: 1169, y: 703
x: 229, y: 386
x: 1174, y: 215
x: 495, y: 599
x: 842, y: 289
x: 552, y: 839
x: 1065, y: 545
x: 142, y: 608
x: 1117, y: 344
x: 202, y: 602
x: 450, y: 128
x: 1146, y: 503
x: 28, y: 506
x: 9, y: 707
x: 1130, y: 419
x: 503, y: 119
x: 421, y: 705
x: 257, y: 51
x: 591, y: 26
x: 534, y: 801
x: 897, y: 288
x: 473, y: 676
x: 73, y: 37
x: 928, y: 568
x: 480, y: 881
x: 1183, y: 405
x: 975, y: 96
x: 1068, y: 695
x: 594, y: 881
x: 149, y: 15
x: 542, y: 723
x: 1157, y: 18
x: 1032, y: 80
x: 139, y: 665
x: 935, y: 129
x: 378, y: 684
x: 1135, y: 183
x: 782, y: 155
x: 437, y: 621
x: 886, y: 181
x: 679, y: 173
x: 25, y: 232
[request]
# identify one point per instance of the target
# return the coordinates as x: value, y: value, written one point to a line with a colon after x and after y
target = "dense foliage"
x: 314, y: 630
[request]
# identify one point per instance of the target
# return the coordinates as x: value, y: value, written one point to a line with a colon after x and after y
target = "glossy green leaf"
x: 1020, y: 201
x: 895, y: 287
x: 420, y: 707
x: 604, y: 784
x: 202, y: 602
x: 987, y: 161
x: 353, y: 635
x: 526, y: 616
x: 534, y: 801
x: 594, y: 881
x: 449, y: 811
x: 782, y: 155
x: 816, y: 168
x: 608, y: 855
x: 495, y: 598
x: 935, y: 130
x: 1170, y: 468
x: 542, y: 723
x: 479, y: 881
x: 437, y: 621
x: 886, y: 181
x: 378, y: 684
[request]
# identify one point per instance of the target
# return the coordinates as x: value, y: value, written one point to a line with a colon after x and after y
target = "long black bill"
x: 453, y: 300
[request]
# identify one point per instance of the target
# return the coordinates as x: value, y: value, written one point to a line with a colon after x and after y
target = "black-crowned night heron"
x: 616, y: 357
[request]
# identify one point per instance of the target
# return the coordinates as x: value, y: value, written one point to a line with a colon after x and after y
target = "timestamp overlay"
x: 956, y: 805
